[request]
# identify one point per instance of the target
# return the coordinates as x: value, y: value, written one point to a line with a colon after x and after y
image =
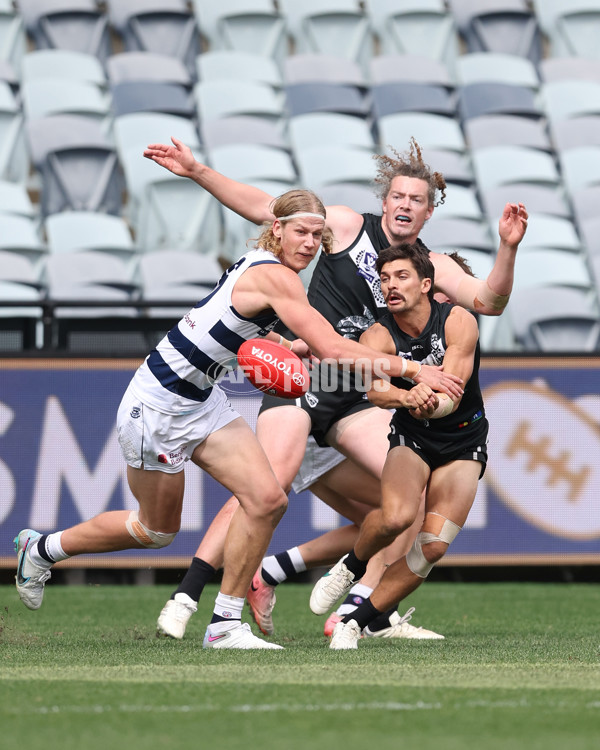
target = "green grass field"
x: 520, y: 668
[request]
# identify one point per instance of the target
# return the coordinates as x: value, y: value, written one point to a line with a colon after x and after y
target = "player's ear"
x: 277, y: 228
x: 425, y: 285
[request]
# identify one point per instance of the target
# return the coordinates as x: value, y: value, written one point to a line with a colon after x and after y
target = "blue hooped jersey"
x: 178, y: 375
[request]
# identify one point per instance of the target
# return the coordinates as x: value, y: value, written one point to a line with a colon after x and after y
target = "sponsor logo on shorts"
x: 311, y: 399
x: 136, y: 412
x: 171, y: 458
x: 227, y: 615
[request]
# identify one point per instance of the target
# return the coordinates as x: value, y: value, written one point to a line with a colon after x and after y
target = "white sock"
x: 53, y: 549
x: 277, y: 568
x: 229, y: 608
x: 356, y: 595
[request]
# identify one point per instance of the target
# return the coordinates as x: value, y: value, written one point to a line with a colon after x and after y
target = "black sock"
x: 382, y: 621
x: 363, y: 615
x: 197, y: 576
x: 356, y: 566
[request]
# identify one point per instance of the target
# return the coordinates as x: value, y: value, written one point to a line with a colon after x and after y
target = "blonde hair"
x: 408, y: 164
x: 284, y: 208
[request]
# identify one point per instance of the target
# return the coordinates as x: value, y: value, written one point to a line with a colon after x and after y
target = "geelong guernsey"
x: 178, y: 375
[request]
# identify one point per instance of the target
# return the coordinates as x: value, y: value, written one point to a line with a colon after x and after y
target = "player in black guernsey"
x: 437, y: 443
x: 345, y: 288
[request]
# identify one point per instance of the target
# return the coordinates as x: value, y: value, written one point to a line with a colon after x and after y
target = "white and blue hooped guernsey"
x: 179, y: 374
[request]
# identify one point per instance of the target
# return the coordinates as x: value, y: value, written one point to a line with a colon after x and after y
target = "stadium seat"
x: 105, y: 286
x: 554, y: 319
x: 225, y: 131
x: 449, y: 234
x: 563, y: 99
x: 53, y: 96
x: 589, y: 228
x: 245, y: 162
x: 332, y: 27
x: 455, y: 167
x: 390, y: 98
x: 585, y: 202
x: 165, y: 27
x: 74, y: 231
x: 576, y: 131
x: 569, y: 69
x: 312, y: 67
x: 330, y: 164
x: 224, y: 98
x: 19, y: 324
x: 572, y: 26
x: 78, y: 166
x: 431, y: 130
x: 13, y: 42
x: 142, y: 128
x: 545, y: 231
x: 551, y: 267
x: 14, y: 160
x: 176, y: 275
x: 323, y: 128
x: 63, y: 64
x: 398, y: 68
x: 415, y: 27
x: 302, y: 98
x: 152, y: 96
x: 580, y: 167
x: 167, y: 212
x: 246, y: 25
x: 496, y: 67
x: 506, y: 130
x: 78, y: 25
x: 219, y: 65
x: 19, y: 234
x: 359, y: 198
x: 537, y: 199
x: 477, y: 99
x: 506, y: 26
x: 14, y: 199
x: 460, y: 203
x: 147, y: 66
x: 498, y: 165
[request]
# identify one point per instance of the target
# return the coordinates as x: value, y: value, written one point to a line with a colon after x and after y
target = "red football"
x: 273, y: 368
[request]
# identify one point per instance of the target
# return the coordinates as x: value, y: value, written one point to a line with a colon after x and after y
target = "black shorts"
x: 438, y: 449
x: 324, y: 409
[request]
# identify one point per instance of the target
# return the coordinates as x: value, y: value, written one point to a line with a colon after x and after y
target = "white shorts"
x: 152, y: 440
x: 317, y: 461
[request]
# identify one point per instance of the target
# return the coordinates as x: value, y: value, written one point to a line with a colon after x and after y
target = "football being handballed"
x: 273, y: 368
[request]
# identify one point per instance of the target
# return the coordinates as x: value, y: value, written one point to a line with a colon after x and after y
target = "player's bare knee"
x: 394, y: 522
x: 274, y: 505
x: 145, y: 536
x: 430, y: 546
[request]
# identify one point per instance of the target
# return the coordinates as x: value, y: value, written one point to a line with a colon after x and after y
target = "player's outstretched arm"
x: 485, y: 296
x: 250, y: 202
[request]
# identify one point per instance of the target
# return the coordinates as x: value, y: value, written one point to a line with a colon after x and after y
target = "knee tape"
x: 146, y: 537
x: 416, y: 560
